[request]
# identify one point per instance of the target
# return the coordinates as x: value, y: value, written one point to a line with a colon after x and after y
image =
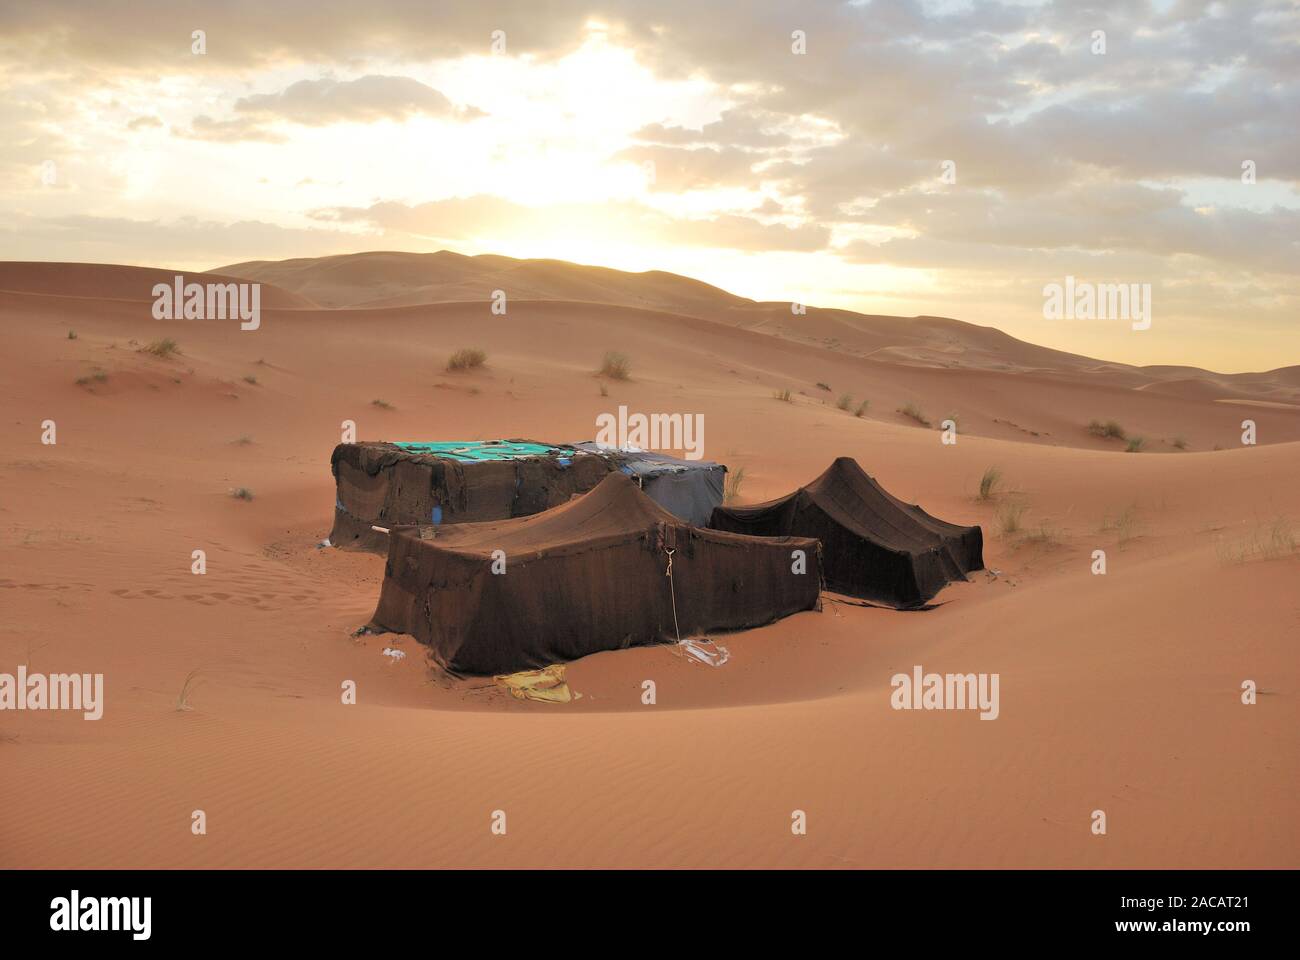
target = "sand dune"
x: 405, y: 279
x: 391, y: 279
x: 1191, y: 388
x: 101, y: 281
x: 1120, y: 692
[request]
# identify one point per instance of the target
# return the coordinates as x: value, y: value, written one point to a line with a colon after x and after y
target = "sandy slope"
x: 385, y: 279
x: 1118, y: 692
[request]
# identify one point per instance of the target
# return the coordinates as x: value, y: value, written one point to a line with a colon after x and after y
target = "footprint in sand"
x: 10, y: 584
x: 127, y: 594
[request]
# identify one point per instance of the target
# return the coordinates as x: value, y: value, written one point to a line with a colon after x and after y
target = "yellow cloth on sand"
x: 547, y: 685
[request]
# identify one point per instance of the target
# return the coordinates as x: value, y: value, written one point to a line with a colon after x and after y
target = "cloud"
x: 146, y: 36
x: 677, y: 169
x: 364, y: 100
x: 735, y: 128
x: 831, y: 178
x: 1097, y: 216
x: 464, y: 219
x: 1171, y: 133
x: 31, y: 139
x: 187, y: 242
x: 240, y: 129
x: 735, y: 232
x: 326, y: 101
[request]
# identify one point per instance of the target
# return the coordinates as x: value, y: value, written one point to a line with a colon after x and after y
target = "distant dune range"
x: 990, y: 383
x: 367, y: 280
x: 1118, y: 692
x: 101, y: 281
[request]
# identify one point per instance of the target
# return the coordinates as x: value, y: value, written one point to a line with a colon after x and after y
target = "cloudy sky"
x: 942, y: 157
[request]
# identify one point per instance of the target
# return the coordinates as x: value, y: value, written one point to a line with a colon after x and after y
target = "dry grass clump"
x: 1273, y: 540
x: 1044, y: 535
x: 731, y: 488
x: 183, y: 698
x: 162, y: 349
x: 1110, y: 430
x: 1010, y: 521
x: 1009, y: 517
x: 616, y: 366
x: 989, y: 482
x: 1124, y: 524
x: 470, y: 358
x: 913, y: 412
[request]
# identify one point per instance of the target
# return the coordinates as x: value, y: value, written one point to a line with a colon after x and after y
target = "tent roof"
x: 853, y: 499
x: 856, y: 501
x: 615, y: 510
x: 585, y: 576
x: 647, y: 463
x: 874, y: 544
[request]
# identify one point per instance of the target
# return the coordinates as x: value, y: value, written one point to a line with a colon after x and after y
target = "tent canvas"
x: 586, y: 576
x: 874, y: 546
x: 688, y: 489
x: 448, y: 482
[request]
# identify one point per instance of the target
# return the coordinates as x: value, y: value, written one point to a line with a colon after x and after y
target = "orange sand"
x: 1118, y: 692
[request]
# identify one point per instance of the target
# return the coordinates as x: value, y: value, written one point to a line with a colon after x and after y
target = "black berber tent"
x: 607, y: 570
x: 449, y: 482
x: 468, y: 481
x: 874, y: 546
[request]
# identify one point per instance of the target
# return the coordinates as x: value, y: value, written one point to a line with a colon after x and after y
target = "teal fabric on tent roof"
x: 478, y: 451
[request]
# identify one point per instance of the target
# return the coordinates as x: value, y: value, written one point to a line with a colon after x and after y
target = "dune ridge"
x: 391, y: 279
